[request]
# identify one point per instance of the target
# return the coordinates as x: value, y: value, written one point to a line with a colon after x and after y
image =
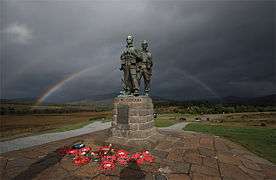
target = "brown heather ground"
x: 13, y: 126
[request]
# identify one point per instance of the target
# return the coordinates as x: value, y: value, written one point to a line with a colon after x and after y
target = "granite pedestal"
x: 132, y: 118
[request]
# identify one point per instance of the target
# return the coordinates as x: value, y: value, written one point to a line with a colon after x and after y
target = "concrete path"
x: 21, y: 143
x: 176, y: 127
x: 25, y: 142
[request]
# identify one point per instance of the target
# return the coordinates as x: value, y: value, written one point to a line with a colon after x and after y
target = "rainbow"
x: 184, y: 74
x: 202, y: 84
x: 61, y: 83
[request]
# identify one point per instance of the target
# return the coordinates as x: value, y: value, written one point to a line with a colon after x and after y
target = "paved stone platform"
x: 179, y: 156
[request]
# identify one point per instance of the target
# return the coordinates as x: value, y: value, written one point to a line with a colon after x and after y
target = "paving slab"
x: 179, y: 155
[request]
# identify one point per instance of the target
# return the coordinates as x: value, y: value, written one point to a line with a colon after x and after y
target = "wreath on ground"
x: 107, y: 157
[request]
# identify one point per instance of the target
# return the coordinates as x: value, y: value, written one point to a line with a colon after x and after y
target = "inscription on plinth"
x: 133, y: 117
x: 128, y: 99
x: 122, y: 116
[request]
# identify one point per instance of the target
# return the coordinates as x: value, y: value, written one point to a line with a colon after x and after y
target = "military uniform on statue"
x: 133, y: 120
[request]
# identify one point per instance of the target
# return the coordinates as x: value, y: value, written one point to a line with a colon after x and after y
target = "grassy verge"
x: 165, y: 120
x: 261, y: 141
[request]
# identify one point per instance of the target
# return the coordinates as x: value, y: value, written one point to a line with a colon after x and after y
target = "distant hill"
x: 106, y: 99
x: 262, y: 100
x: 19, y: 101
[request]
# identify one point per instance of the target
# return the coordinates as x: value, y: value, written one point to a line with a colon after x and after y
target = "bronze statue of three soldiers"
x: 136, y: 64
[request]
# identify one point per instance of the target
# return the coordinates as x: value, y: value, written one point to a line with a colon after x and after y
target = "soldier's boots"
x: 147, y: 91
x: 136, y: 93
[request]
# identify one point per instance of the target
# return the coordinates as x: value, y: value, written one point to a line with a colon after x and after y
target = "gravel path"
x: 21, y: 143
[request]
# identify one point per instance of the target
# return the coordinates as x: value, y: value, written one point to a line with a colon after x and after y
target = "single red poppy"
x: 122, y: 153
x: 135, y: 156
x: 73, y: 152
x: 108, y: 158
x: 107, y: 165
x: 81, y: 160
x: 85, y: 149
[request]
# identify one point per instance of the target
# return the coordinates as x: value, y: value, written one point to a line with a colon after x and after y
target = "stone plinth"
x: 133, y: 117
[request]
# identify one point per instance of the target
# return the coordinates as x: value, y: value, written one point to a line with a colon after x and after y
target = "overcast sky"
x: 201, y: 49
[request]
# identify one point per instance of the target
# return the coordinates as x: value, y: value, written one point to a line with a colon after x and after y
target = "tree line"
x: 209, y: 108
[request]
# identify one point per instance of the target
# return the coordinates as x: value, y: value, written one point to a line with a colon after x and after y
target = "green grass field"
x: 165, y: 120
x: 261, y: 141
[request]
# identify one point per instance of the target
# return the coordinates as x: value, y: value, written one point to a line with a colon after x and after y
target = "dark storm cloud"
x: 200, y: 49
